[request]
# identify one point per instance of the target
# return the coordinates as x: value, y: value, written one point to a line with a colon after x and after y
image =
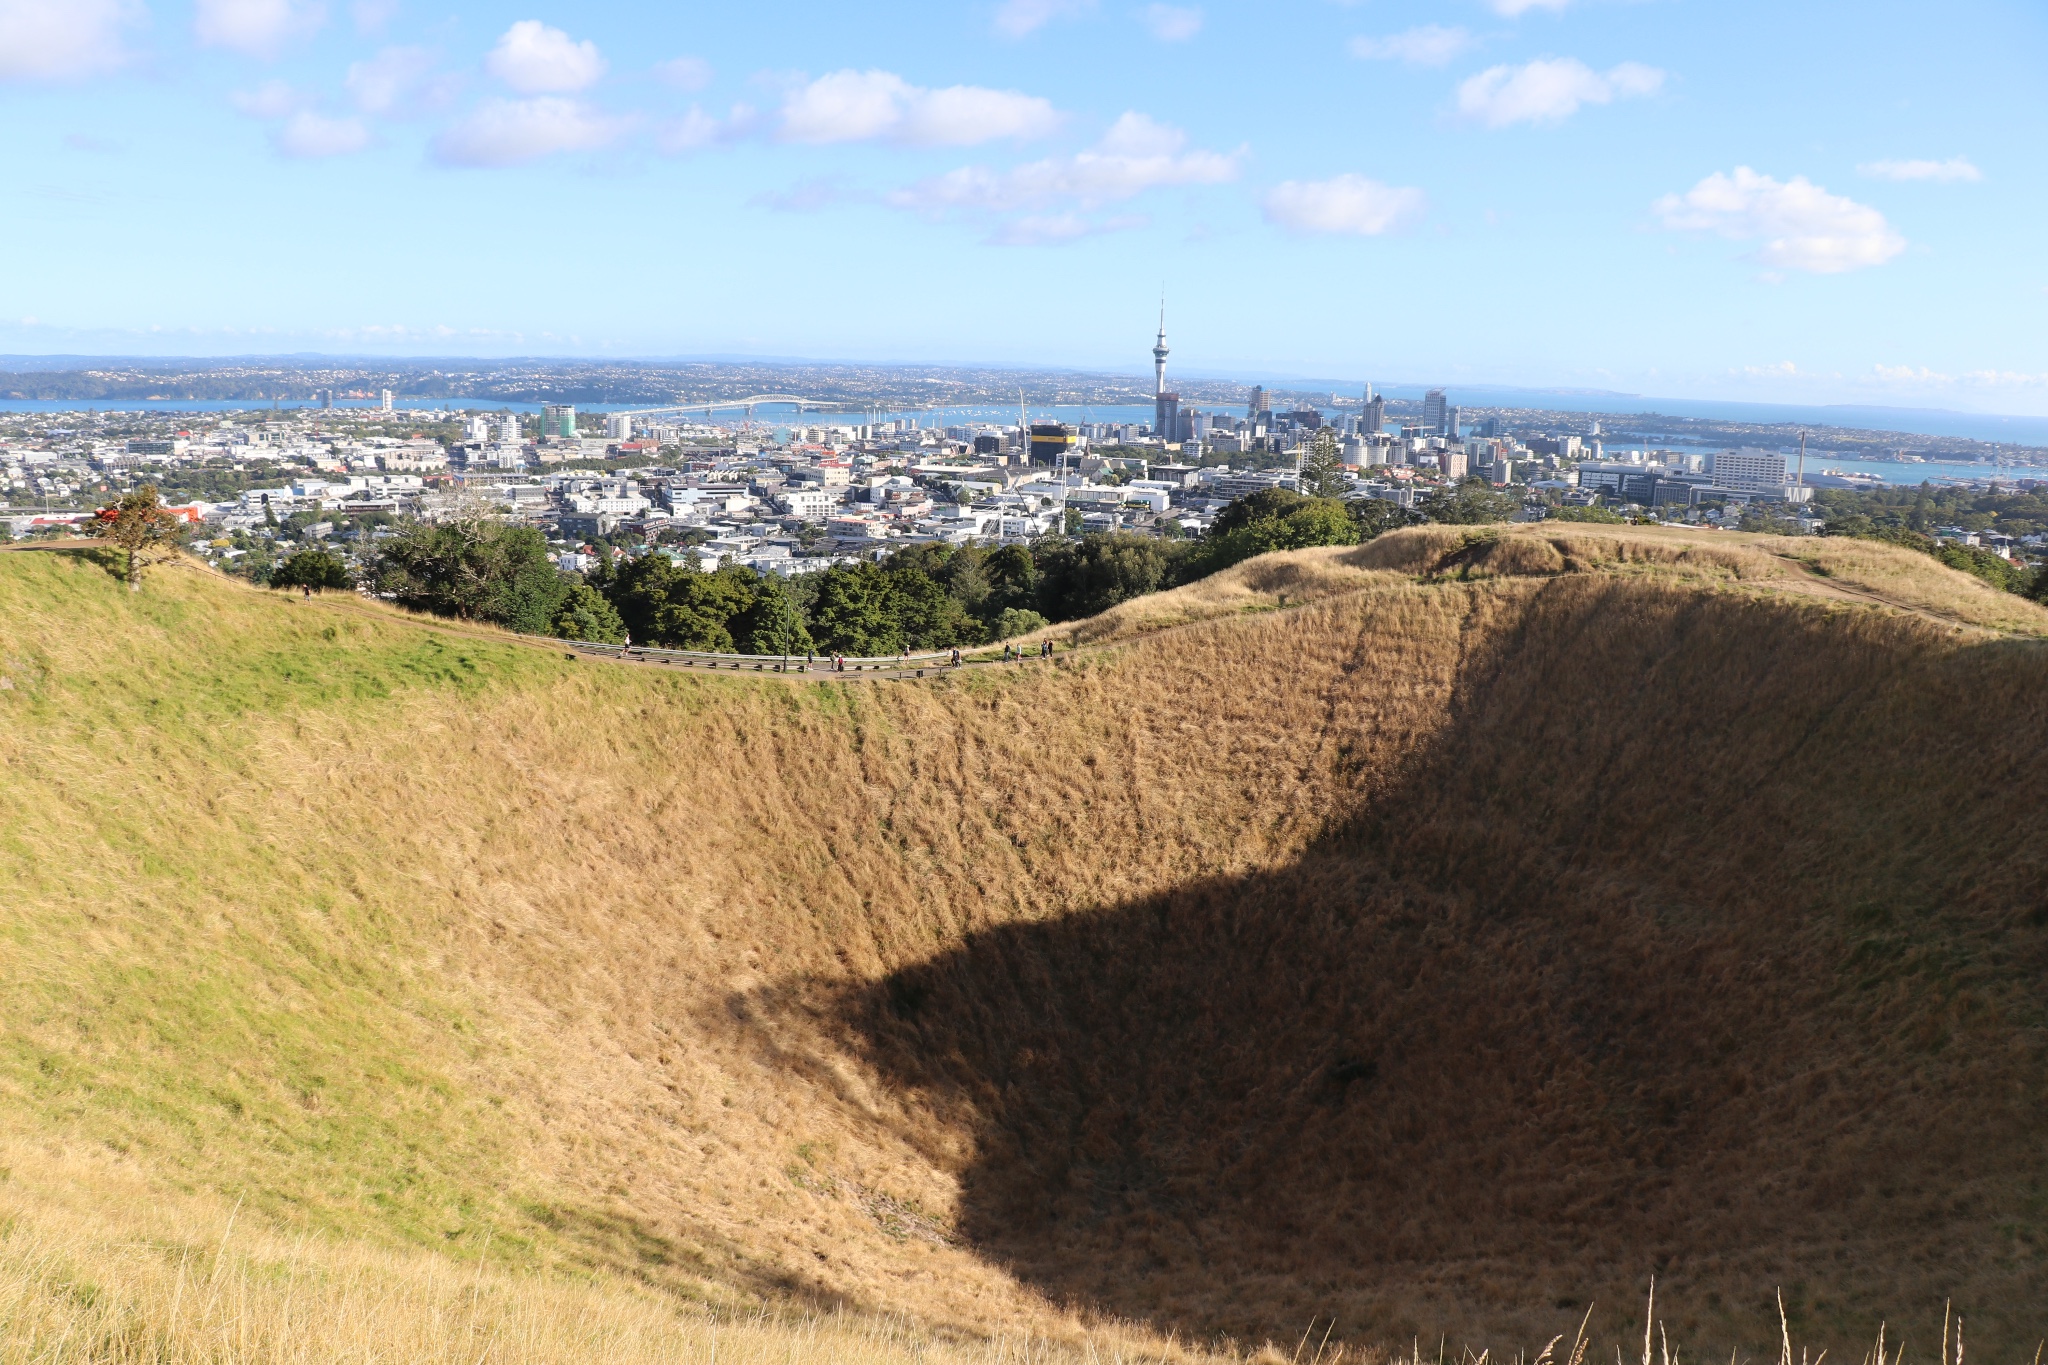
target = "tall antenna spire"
x: 1159, y: 350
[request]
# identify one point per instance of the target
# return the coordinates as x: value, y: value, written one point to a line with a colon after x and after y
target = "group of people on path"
x: 1011, y: 654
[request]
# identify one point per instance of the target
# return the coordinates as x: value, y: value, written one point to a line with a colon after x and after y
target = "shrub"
x: 311, y: 571
x: 477, y: 569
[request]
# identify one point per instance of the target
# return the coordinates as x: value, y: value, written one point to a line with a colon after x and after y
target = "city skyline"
x: 1829, y: 206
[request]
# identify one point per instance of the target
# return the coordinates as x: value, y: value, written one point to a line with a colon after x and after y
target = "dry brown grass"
x: 1266, y: 583
x: 1866, y: 572
x: 135, y: 1279
x: 1421, y: 958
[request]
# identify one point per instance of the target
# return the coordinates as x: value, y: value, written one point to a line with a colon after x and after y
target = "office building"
x: 1748, y: 469
x: 1260, y: 408
x: 1434, y: 409
x: 1451, y: 421
x: 1051, y: 442
x: 618, y: 426
x: 558, y: 421
x: 384, y: 397
x: 1375, y: 419
x: 1166, y: 417
x: 508, y: 429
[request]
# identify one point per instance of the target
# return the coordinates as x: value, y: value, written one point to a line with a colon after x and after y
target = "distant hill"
x: 1431, y: 938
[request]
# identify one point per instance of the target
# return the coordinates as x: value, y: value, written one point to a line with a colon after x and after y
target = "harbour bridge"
x: 798, y: 401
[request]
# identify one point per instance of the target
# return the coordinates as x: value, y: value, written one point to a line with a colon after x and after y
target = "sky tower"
x: 1159, y: 354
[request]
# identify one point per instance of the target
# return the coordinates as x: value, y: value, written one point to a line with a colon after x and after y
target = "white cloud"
x: 502, y: 132
x: 255, y: 28
x: 684, y: 73
x: 1908, y: 376
x: 1049, y: 200
x: 1052, y: 229
x: 399, y: 81
x: 1173, y: 23
x: 1426, y: 45
x: 1955, y: 168
x: 537, y: 60
x: 308, y: 134
x: 1016, y: 18
x: 1349, y: 205
x: 372, y: 15
x: 808, y: 196
x: 697, y: 130
x: 46, y: 40
x: 859, y: 106
x: 1550, y: 90
x: 1803, y: 226
x: 1514, y: 8
x: 272, y: 99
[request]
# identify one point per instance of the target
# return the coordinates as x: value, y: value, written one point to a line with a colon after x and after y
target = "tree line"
x: 920, y: 597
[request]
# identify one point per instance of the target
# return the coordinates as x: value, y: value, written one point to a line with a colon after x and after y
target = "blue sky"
x: 1789, y: 202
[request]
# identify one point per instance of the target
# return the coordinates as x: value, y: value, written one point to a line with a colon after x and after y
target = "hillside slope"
x: 1476, y: 940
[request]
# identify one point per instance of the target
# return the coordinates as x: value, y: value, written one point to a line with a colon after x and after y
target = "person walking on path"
x: 956, y: 656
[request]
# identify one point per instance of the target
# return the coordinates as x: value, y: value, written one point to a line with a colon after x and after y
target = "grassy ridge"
x: 432, y: 940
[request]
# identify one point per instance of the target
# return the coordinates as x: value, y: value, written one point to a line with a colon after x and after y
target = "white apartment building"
x: 812, y: 504
x: 1748, y: 469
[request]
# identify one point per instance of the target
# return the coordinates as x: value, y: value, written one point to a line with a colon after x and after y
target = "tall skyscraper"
x: 558, y: 420
x: 1434, y: 404
x: 385, y: 396
x: 1375, y: 419
x: 1166, y: 417
x: 508, y: 429
x: 1451, y: 420
x: 1260, y: 406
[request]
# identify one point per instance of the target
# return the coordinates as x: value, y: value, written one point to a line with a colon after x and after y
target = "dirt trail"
x: 1814, y: 583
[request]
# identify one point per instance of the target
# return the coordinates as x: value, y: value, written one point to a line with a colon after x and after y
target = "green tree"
x: 478, y: 569
x: 926, y: 615
x: 311, y: 571
x: 585, y: 614
x: 1375, y: 517
x: 1016, y: 621
x: 702, y: 609
x: 1271, y: 519
x: 772, y: 625
x: 140, y: 526
x: 638, y: 589
x: 1012, y: 578
x: 1093, y: 574
x: 1473, y: 502
x: 1322, y: 471
x: 851, y: 612
x: 1602, y: 515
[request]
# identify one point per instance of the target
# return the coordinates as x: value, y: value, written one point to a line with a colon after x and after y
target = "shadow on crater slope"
x: 1705, y: 939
